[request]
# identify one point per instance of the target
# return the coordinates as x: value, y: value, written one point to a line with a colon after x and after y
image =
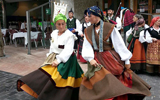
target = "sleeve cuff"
x: 90, y: 59
x: 127, y: 62
x: 76, y: 30
x: 47, y: 54
x: 79, y: 33
x: 58, y: 60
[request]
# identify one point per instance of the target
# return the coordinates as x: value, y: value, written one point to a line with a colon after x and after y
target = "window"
x: 142, y: 6
x: 156, y: 6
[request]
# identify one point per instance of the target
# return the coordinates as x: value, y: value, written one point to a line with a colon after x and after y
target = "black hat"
x: 111, y: 7
x: 85, y: 12
x: 70, y: 11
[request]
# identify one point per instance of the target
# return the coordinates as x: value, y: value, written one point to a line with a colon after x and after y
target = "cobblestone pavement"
x: 8, y: 89
x: 154, y: 82
x: 14, y: 69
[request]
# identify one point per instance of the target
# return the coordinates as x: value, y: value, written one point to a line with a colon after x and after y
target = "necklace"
x: 156, y: 27
x: 96, y: 25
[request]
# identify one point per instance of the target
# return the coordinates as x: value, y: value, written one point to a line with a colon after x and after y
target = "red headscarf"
x: 153, y: 21
x: 104, y: 12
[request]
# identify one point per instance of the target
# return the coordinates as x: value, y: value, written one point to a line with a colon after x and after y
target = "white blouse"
x: 67, y: 40
x: 118, y: 44
x: 81, y: 27
x: 118, y: 21
x: 148, y: 38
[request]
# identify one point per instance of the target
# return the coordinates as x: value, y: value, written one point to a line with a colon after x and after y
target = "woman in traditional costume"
x: 136, y: 17
x: 82, y: 27
x: 138, y: 60
x: 109, y: 76
x: 60, y: 76
x: 152, y: 37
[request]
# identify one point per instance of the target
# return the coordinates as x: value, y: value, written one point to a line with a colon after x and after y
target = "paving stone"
x: 12, y: 68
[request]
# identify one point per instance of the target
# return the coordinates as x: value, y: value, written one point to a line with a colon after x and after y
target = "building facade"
x: 148, y: 8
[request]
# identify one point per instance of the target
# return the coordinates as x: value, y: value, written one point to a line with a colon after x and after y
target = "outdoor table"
x: 34, y: 35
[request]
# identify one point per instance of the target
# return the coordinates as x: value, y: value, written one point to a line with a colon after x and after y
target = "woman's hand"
x: 154, y: 39
x: 82, y: 35
x: 94, y: 63
x: 73, y: 31
x: 128, y: 66
x: 55, y: 63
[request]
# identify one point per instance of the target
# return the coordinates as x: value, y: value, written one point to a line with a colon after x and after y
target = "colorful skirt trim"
x: 59, y: 80
x: 54, y: 83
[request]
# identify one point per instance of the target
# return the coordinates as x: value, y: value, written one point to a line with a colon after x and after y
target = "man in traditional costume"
x: 111, y: 17
x: 73, y: 24
x: 126, y: 15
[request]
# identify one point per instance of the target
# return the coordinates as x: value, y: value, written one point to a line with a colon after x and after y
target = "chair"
x: 33, y: 29
x: 39, y: 38
x: 47, y: 39
x: 48, y: 29
x: 22, y: 30
x: 11, y: 32
x: 48, y: 36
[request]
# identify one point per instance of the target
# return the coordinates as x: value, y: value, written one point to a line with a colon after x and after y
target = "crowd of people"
x: 111, y: 64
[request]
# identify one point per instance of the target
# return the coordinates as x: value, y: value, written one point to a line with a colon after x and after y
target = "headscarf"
x: 60, y: 17
x: 139, y: 16
x: 97, y: 12
x: 153, y: 21
x: 104, y: 12
x: 139, y: 22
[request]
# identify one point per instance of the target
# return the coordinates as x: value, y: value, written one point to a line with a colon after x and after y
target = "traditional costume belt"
x: 105, y: 49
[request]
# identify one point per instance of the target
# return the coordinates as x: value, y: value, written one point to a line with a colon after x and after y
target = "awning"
x: 17, y: 0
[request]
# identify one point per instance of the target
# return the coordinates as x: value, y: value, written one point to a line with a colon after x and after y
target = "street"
x: 17, y: 63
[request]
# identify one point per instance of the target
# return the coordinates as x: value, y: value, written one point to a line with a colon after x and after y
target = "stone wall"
x: 81, y: 5
x: 78, y: 6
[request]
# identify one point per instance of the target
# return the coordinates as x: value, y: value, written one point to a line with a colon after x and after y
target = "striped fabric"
x: 104, y: 83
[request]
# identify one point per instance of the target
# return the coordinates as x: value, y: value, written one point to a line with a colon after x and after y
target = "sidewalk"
x: 18, y: 61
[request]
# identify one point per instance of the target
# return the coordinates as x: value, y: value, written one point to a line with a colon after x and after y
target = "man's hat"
x: 85, y: 12
x: 111, y: 7
x: 70, y: 11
